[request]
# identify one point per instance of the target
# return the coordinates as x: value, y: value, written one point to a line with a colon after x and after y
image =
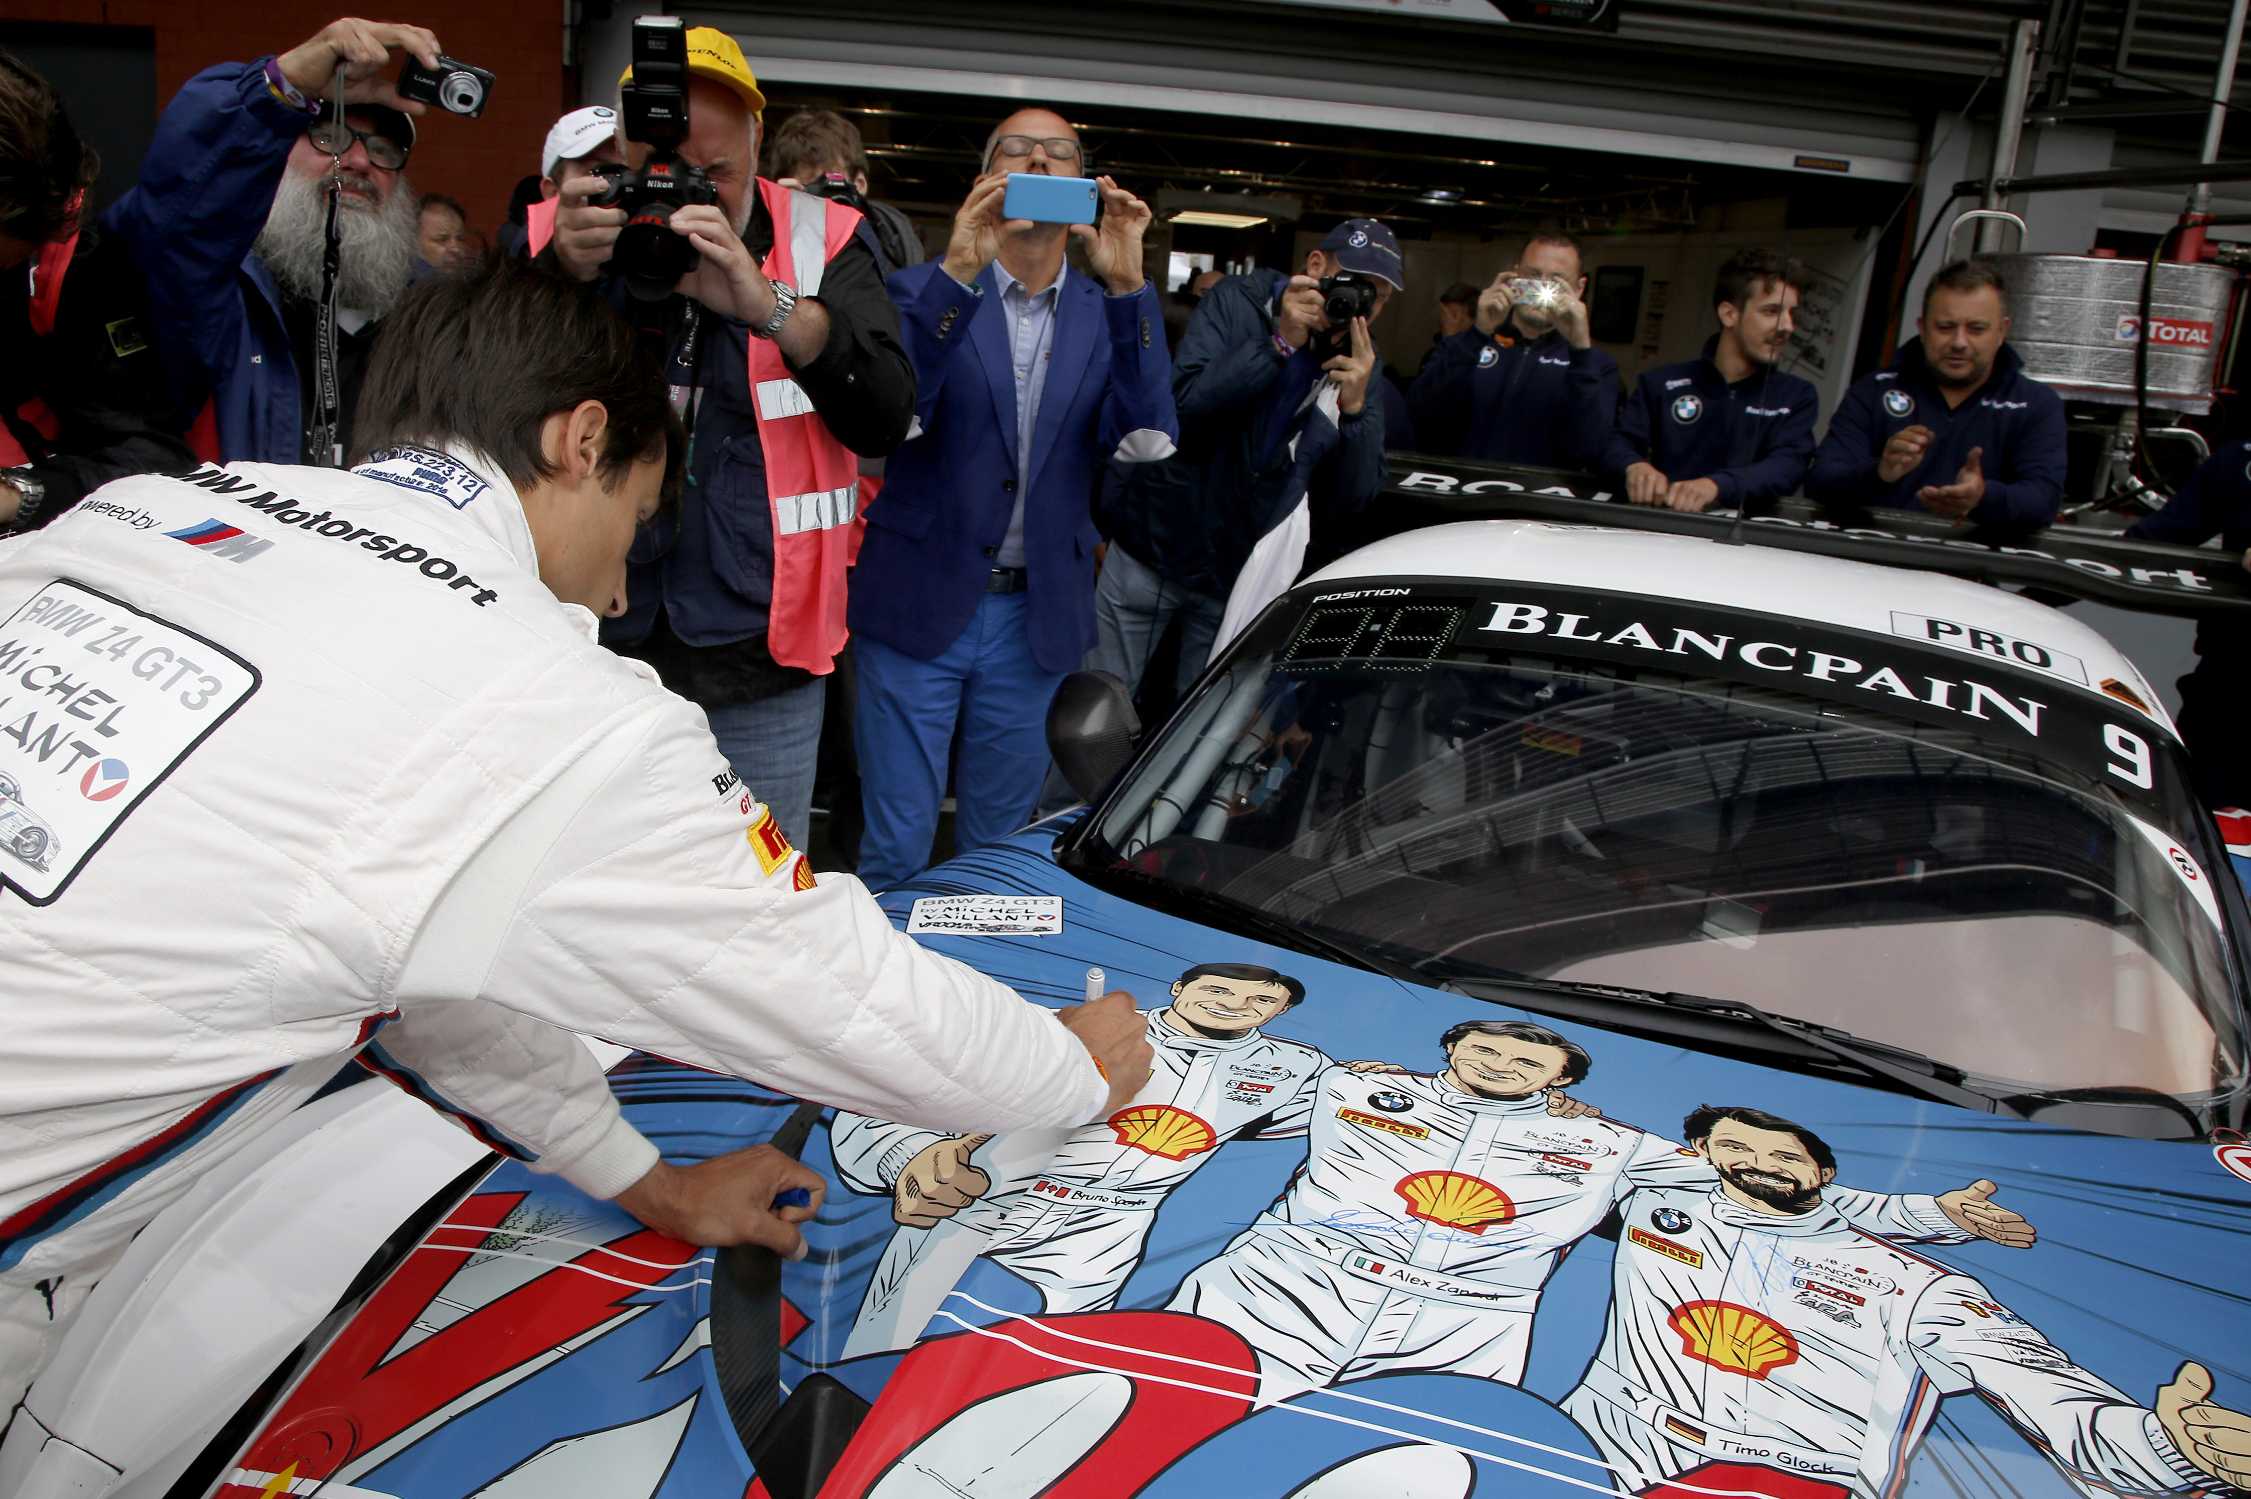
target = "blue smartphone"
x: 1051, y: 200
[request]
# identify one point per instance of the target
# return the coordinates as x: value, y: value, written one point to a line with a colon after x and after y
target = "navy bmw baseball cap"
x: 1366, y: 247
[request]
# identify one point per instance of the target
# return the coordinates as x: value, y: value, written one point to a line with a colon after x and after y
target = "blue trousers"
x: 773, y: 744
x: 987, y: 687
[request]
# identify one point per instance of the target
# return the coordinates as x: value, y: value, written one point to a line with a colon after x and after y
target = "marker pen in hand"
x: 1097, y: 985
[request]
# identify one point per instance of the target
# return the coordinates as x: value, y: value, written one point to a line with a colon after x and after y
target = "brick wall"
x: 477, y: 161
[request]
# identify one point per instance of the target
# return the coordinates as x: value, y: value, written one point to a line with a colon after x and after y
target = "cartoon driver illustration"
x: 1759, y: 1342
x: 1076, y: 1229
x: 1431, y: 1210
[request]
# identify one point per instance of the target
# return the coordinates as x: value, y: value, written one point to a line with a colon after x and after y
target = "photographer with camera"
x: 1727, y: 428
x: 230, y: 225
x: 1273, y: 385
x: 82, y: 397
x: 1524, y: 384
x: 820, y: 152
x: 577, y: 145
x: 975, y: 593
x: 784, y: 354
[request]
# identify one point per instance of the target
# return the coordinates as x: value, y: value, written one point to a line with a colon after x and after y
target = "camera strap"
x: 321, y: 437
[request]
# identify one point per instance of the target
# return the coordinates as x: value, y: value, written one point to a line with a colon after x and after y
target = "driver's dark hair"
x: 1576, y: 1063
x: 1967, y: 275
x: 1249, y: 973
x: 45, y: 166
x: 483, y: 359
x: 1746, y: 272
x: 1697, y: 1128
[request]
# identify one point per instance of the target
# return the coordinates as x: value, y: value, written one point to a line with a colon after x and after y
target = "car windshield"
x: 1395, y: 781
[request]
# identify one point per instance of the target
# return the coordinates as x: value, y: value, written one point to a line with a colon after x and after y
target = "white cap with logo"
x: 576, y: 134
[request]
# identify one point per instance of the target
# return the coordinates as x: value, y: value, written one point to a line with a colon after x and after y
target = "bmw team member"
x: 974, y: 592
x: 1759, y: 1343
x: 345, y: 772
x: 1432, y: 1209
x: 1955, y: 426
x: 576, y: 144
x: 2215, y: 721
x: 1727, y: 428
x: 1525, y: 384
x: 1075, y: 1224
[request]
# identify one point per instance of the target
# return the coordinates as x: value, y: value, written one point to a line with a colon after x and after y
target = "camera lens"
x: 461, y: 92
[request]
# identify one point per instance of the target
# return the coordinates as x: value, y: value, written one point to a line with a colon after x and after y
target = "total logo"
x: 104, y: 780
x: 2175, y: 333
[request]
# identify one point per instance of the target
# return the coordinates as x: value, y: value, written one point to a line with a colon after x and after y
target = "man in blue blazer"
x: 974, y: 591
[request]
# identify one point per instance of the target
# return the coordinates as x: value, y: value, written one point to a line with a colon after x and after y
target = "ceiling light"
x: 1442, y: 195
x: 1214, y: 220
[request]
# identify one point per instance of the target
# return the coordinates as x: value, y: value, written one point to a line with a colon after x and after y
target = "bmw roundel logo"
x: 1688, y: 408
x: 1358, y: 238
x: 1898, y: 402
x: 1671, y: 1220
x: 1390, y: 1103
x: 1487, y: 357
x: 103, y: 780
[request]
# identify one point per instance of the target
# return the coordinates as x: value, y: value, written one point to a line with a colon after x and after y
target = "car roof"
x: 1831, y: 590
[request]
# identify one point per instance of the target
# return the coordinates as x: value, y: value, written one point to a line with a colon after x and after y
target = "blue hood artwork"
x: 1356, y: 1237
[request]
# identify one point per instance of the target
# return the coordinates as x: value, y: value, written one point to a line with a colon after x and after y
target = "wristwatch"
x: 34, y: 492
x: 785, y: 303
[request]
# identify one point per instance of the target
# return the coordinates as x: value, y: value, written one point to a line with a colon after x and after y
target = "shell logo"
x: 1160, y: 1129
x: 1456, y: 1200
x: 1728, y: 1336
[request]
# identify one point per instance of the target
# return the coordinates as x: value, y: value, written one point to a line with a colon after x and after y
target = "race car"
x: 1633, y: 1013
x: 23, y: 832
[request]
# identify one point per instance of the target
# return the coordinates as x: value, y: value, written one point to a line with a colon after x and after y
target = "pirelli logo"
x: 1658, y: 1244
x: 1388, y: 1126
x: 768, y: 841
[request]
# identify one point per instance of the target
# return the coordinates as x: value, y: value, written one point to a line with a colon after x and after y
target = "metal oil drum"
x: 2078, y: 317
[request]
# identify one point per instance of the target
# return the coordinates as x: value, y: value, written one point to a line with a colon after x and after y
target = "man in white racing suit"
x: 324, y: 754
x: 1760, y: 1343
x: 1073, y: 1216
x: 1431, y: 1210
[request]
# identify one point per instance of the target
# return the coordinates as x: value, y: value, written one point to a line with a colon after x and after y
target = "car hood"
x: 1276, y: 1275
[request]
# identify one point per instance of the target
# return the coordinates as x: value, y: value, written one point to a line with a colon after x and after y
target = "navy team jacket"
x: 2013, y: 417
x: 1752, y: 438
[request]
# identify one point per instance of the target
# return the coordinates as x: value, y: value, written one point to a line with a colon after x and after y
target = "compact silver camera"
x: 1540, y: 293
x: 453, y: 85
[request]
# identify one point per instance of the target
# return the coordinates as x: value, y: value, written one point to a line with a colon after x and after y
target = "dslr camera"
x: 649, y: 256
x: 456, y: 86
x: 1344, y: 296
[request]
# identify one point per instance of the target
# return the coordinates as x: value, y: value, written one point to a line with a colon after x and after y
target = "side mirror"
x: 1091, y: 730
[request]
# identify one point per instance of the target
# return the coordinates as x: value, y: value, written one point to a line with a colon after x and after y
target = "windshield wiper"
x: 1897, y: 1065
x: 1196, y: 902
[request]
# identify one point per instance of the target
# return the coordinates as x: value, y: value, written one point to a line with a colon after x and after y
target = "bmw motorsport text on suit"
x: 321, y: 758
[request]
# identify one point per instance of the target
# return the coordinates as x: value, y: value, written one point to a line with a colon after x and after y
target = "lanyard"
x: 321, y: 439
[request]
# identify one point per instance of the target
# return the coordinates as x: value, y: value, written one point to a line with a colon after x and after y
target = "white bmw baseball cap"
x: 575, y: 134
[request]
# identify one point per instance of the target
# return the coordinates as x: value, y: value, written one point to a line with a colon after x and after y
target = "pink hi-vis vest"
x: 539, y: 223
x: 812, y: 480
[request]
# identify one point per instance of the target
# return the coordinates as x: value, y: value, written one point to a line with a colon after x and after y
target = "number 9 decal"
x: 2130, y: 752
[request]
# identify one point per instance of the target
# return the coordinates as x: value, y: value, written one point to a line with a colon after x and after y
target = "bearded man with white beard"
x: 229, y: 226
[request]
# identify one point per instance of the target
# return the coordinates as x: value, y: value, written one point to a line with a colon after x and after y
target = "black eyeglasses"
x: 336, y: 136
x: 1059, y: 147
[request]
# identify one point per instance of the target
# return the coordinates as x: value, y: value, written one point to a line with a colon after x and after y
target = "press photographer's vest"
x: 812, y: 480
x: 47, y: 271
x: 539, y: 223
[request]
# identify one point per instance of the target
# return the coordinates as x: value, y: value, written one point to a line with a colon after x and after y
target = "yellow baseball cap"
x: 714, y: 54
